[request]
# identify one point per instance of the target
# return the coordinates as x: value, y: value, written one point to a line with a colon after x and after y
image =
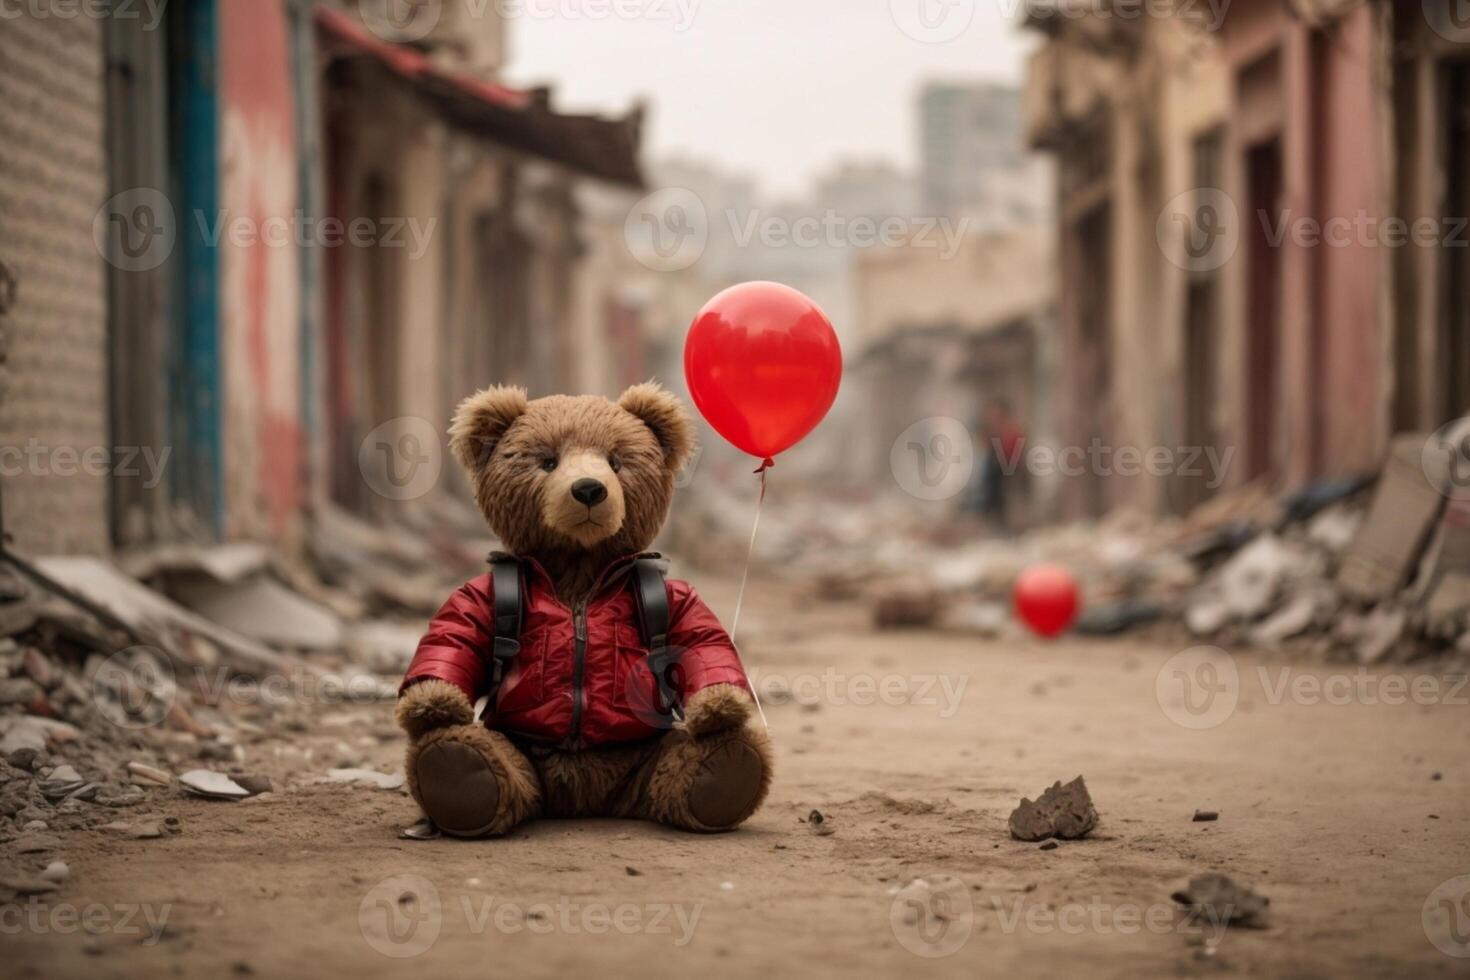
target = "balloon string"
x: 745, y: 577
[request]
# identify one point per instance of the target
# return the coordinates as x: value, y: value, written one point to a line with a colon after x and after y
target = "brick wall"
x: 53, y: 394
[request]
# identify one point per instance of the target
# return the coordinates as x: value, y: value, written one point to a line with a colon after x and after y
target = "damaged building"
x: 252, y: 234
x: 1260, y: 208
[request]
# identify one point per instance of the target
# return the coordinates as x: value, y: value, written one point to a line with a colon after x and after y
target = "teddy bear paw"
x: 432, y: 704
x: 715, y: 709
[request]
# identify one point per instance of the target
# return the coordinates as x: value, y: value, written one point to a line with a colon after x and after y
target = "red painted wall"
x: 260, y: 272
x: 1351, y: 187
x: 1331, y: 360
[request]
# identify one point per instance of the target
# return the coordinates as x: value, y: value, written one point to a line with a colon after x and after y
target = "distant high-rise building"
x: 972, y: 161
x: 863, y: 188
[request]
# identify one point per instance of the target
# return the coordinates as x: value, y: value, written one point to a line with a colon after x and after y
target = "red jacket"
x: 607, y: 694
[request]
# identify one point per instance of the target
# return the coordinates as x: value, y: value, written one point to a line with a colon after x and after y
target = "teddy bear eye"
x: 616, y: 462
x: 548, y: 463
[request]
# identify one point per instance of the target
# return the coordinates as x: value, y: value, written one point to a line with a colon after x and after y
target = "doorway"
x: 1263, y: 307
x: 1454, y: 319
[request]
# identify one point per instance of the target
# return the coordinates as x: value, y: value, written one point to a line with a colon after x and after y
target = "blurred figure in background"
x: 1003, y: 443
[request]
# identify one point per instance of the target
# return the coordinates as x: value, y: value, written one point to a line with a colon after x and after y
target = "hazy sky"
x: 777, y: 88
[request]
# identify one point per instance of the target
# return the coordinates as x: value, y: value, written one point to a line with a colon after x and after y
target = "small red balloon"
x: 1046, y: 599
x: 763, y: 366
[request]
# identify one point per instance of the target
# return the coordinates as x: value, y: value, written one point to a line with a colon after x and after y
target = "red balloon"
x: 1046, y: 599
x: 763, y: 366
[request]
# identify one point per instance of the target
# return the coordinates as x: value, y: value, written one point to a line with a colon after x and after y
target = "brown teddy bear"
x: 578, y: 721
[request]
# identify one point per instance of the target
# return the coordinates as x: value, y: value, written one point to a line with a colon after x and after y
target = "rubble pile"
x: 1374, y: 568
x: 130, y: 681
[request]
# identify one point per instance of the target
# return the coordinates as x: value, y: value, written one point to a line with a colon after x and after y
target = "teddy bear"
x: 576, y: 721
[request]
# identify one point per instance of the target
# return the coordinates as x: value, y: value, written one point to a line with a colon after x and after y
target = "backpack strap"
x: 653, y: 619
x: 505, y: 574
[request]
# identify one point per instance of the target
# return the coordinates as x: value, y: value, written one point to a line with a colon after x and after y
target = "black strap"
x: 653, y: 615
x: 506, y: 578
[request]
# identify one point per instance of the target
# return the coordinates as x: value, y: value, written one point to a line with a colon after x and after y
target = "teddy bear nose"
x: 589, y: 492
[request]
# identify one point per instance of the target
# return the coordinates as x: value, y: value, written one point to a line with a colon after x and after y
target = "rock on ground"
x: 1218, y: 899
x: 1062, y: 811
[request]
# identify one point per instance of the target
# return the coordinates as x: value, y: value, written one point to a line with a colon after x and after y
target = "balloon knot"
x: 766, y: 464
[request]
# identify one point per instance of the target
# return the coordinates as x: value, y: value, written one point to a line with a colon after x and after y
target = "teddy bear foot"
x: 459, y: 790
x: 726, y: 788
x: 709, y: 784
x: 471, y: 782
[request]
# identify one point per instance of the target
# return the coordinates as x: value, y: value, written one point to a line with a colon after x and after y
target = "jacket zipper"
x: 579, y: 669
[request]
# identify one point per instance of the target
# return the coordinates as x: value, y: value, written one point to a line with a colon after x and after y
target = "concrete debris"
x: 384, y: 646
x: 1310, y: 607
x: 1065, y: 812
x: 18, y: 690
x: 1249, y: 566
x: 1250, y: 581
x: 153, y: 614
x: 113, y: 677
x: 1119, y: 617
x: 1447, y: 610
x: 19, y: 883
x: 63, y: 781
x: 33, y: 664
x: 379, y: 780
x: 423, y: 830
x: 1404, y: 510
x: 1206, y: 615
x: 34, y: 734
x: 906, y: 604
x: 144, y: 773
x: 1334, y: 530
x: 989, y: 619
x: 262, y: 609
x: 212, y: 785
x: 1379, y: 632
x: 1214, y: 899
x: 122, y: 796
x: 35, y: 843
x: 141, y: 830
x: 232, y: 562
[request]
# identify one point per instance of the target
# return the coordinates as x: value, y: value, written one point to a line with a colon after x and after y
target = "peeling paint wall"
x: 260, y: 256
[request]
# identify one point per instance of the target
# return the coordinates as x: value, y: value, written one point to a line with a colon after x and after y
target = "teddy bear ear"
x: 480, y: 422
x: 662, y: 412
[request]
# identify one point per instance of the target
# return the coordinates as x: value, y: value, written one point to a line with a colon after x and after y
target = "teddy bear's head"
x: 567, y: 474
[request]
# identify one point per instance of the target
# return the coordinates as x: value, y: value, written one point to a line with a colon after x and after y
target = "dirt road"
x: 1346, y: 807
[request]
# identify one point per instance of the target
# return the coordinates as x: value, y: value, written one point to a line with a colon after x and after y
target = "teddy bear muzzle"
x: 583, y: 499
